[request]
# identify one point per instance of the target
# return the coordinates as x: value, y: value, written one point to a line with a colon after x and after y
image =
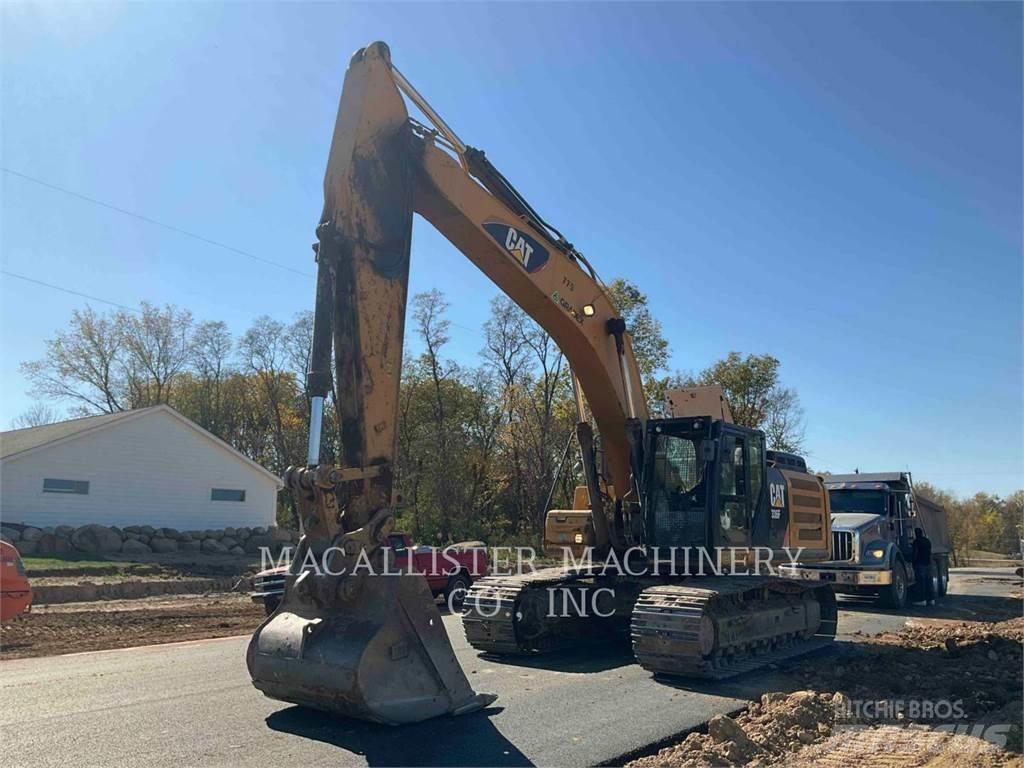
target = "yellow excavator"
x: 352, y: 637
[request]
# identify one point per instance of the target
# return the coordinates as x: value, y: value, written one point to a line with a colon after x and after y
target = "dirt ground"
x: 74, y: 627
x: 868, y: 707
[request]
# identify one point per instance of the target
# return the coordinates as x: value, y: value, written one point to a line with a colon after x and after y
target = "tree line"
x: 484, y: 450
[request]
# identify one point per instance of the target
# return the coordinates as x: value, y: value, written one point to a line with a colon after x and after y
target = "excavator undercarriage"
x: 705, y: 627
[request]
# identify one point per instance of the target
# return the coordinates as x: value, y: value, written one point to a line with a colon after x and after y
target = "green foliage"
x: 984, y: 521
x: 757, y: 398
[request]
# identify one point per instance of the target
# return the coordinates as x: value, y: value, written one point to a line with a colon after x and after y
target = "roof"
x: 868, y: 477
x: 21, y: 440
x: 16, y: 443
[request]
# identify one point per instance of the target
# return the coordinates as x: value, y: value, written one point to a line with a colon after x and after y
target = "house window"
x: 54, y: 485
x: 227, y: 494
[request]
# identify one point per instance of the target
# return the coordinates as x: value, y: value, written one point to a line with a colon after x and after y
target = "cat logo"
x: 530, y: 254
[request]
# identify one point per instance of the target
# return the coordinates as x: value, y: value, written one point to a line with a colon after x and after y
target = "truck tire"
x: 895, y: 595
x: 455, y: 592
x: 942, y: 568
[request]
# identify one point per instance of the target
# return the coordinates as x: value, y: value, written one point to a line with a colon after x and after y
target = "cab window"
x: 756, y: 468
x: 733, y: 491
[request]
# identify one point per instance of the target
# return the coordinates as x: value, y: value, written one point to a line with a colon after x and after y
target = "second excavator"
x: 351, y: 636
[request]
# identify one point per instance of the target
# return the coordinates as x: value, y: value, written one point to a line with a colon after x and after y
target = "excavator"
x: 351, y: 636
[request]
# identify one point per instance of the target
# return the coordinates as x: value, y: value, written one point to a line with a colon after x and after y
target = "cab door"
x: 733, y: 507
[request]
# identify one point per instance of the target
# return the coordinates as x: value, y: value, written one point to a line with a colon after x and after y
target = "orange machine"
x: 15, y: 593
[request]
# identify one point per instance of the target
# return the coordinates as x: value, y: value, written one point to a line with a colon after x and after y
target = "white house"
x: 150, y: 466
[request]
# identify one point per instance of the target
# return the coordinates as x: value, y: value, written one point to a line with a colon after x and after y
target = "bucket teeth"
x: 381, y: 653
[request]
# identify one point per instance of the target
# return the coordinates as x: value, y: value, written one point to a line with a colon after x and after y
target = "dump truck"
x: 369, y: 643
x: 873, y: 520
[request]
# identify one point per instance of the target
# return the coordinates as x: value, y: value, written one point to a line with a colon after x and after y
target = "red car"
x: 15, y: 593
x: 449, y: 571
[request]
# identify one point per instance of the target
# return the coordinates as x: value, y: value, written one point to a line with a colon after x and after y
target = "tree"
x: 263, y: 351
x: 37, y: 415
x: 650, y: 347
x: 212, y: 348
x: 757, y: 398
x: 157, y: 348
x: 83, y: 364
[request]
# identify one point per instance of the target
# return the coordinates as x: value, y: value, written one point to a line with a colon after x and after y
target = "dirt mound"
x: 763, y: 734
x: 957, y: 684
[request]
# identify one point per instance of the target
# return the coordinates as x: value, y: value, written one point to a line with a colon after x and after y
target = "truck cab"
x: 873, y: 521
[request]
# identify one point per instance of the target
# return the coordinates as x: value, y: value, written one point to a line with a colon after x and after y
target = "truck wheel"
x: 942, y: 568
x: 455, y: 592
x: 270, y: 604
x: 895, y: 595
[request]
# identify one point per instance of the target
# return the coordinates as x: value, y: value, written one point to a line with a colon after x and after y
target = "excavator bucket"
x: 378, y: 652
x: 365, y: 644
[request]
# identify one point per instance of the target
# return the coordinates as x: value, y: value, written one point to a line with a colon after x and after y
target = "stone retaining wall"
x: 96, y: 539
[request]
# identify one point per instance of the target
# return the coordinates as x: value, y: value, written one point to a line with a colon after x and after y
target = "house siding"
x: 152, y: 469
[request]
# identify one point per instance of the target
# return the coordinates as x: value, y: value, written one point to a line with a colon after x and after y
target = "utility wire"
x: 147, y: 219
x: 68, y: 290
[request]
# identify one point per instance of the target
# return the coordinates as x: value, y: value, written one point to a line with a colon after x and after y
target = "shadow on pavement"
x: 464, y: 741
x: 592, y: 657
x: 963, y: 607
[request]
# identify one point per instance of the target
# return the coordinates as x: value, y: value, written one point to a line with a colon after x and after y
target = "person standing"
x: 921, y: 551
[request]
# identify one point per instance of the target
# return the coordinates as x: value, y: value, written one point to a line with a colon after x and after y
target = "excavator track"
x: 507, y: 614
x: 719, y: 627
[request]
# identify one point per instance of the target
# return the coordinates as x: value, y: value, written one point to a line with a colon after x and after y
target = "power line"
x: 149, y: 220
x: 68, y: 290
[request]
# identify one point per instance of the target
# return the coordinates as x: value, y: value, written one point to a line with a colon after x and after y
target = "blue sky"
x: 836, y: 184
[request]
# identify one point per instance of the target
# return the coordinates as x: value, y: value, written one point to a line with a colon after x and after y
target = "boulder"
x: 259, y: 530
x: 11, y: 534
x: 209, y: 533
x: 236, y: 551
x: 229, y: 542
x: 149, y: 530
x: 64, y: 531
x: 132, y: 536
x: 27, y: 547
x: 132, y: 529
x: 255, y: 544
x: 279, y: 534
x: 183, y: 537
x: 144, y: 538
x: 168, y: 533
x: 213, y: 547
x: 50, y: 530
x: 192, y: 545
x: 117, y: 530
x: 31, y: 534
x: 51, y: 544
x: 135, y: 547
x: 242, y: 533
x: 162, y: 544
x: 96, y: 539
x: 230, y: 532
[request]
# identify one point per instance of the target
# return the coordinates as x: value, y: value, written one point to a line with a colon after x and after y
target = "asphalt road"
x: 192, y: 704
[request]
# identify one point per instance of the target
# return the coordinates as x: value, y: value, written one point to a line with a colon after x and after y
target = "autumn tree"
x: 757, y: 398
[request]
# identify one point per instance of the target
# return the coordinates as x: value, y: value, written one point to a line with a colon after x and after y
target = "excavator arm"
x: 344, y: 639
